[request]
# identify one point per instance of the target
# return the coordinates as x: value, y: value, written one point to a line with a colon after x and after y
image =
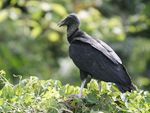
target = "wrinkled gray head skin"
x: 72, y: 22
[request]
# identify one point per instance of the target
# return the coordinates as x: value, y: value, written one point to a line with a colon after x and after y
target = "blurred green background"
x: 31, y: 43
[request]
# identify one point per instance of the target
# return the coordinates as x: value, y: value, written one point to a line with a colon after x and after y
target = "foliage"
x: 36, y: 96
x: 31, y: 43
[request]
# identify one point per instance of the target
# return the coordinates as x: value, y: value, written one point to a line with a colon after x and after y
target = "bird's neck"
x: 70, y: 31
x: 72, y: 28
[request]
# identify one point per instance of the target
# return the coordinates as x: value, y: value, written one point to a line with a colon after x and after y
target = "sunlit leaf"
x: 126, y: 110
x: 2, y: 72
x: 45, y: 6
x: 1, y: 4
x: 13, y: 2
x: 115, y: 88
x: 53, y: 36
x: 132, y: 96
x: 20, y: 77
x: 70, y: 89
x: 93, y: 85
x: 32, y: 3
x: 58, y: 8
x: 27, y: 98
x: 36, y: 14
x: 15, y: 13
x: 1, y: 101
x: 3, y: 15
x: 35, y: 32
x: 17, y: 89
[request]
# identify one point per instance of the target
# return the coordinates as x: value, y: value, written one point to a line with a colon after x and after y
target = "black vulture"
x: 94, y: 57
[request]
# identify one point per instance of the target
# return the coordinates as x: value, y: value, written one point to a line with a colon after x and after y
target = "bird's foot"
x: 74, y: 95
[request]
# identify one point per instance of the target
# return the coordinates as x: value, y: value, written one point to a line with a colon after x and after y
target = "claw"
x: 73, y: 95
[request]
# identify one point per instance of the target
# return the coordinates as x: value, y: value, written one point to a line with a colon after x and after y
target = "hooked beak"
x: 61, y: 23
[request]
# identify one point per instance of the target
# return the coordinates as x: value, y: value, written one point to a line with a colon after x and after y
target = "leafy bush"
x: 34, y: 95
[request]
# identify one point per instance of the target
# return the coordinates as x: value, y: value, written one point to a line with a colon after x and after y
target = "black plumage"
x: 94, y: 57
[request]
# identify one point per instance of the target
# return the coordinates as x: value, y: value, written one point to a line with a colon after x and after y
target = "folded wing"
x: 102, y: 47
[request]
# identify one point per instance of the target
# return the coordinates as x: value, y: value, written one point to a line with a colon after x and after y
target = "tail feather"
x: 124, y: 88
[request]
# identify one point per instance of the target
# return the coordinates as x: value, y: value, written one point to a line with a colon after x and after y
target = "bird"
x: 94, y: 57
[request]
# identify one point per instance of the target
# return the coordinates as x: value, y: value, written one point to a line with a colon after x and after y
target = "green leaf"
x: 62, y: 91
x: 132, y: 96
x: 70, y: 89
x: 53, y: 36
x: 13, y: 2
x: 147, y: 98
x: 107, y: 107
x: 102, y: 98
x: 73, y: 103
x: 0, y: 92
x: 112, y: 107
x: 93, y: 85
x: 125, y: 110
x: 77, y: 99
x: 20, y: 77
x: 1, y: 101
x: 128, y: 105
x: 50, y: 98
x: 4, y: 92
x: 63, y: 106
x: 115, y: 88
x: 53, y: 102
x: 58, y: 8
x: 35, y: 32
x: 36, y: 14
x: 120, y: 103
x: 10, y: 90
x: 57, y: 83
x: 91, y: 98
x: 96, y: 107
x: 27, y: 98
x: 85, y: 109
x: 17, y: 89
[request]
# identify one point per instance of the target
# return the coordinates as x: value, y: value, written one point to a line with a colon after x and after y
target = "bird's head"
x: 72, y: 22
x: 71, y: 19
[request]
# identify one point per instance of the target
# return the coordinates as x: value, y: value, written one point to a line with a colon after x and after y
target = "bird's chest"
x: 81, y: 54
x: 78, y: 51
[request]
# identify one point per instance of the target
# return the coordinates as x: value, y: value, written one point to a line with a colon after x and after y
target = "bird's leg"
x: 99, y: 85
x: 82, y: 86
x: 80, y: 93
x: 83, y: 76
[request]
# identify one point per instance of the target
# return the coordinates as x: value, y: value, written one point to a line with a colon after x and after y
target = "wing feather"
x: 101, y: 46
